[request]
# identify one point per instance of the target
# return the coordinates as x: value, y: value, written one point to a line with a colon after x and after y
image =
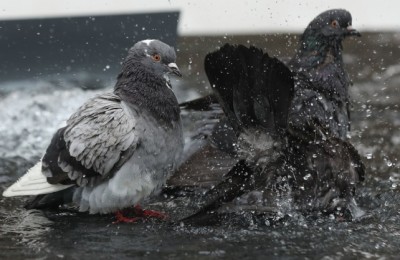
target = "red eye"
x: 334, y: 23
x: 156, y: 57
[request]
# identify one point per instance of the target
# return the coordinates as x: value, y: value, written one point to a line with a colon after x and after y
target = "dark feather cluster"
x: 303, y: 109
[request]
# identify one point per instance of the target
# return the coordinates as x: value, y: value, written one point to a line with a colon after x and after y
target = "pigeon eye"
x: 334, y: 23
x: 156, y: 57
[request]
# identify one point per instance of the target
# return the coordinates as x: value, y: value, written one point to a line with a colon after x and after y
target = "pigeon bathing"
x: 118, y: 148
x: 291, y: 124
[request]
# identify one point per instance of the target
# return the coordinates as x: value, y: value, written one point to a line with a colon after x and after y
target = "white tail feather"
x: 33, y: 183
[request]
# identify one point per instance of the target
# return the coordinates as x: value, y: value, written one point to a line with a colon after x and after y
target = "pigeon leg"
x: 120, y: 218
x: 149, y: 213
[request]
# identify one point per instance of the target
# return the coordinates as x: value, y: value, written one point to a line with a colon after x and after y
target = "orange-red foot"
x: 120, y: 218
x: 149, y: 213
x: 139, y: 213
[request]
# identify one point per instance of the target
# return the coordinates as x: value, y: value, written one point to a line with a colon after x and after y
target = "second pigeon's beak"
x: 173, y: 68
x: 352, y: 32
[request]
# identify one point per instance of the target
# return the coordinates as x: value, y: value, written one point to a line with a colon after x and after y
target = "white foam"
x: 31, y: 115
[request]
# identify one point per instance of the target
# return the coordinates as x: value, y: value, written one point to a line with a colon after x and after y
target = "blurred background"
x: 54, y: 55
x: 221, y: 16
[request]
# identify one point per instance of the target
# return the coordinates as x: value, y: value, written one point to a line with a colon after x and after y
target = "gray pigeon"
x: 118, y: 148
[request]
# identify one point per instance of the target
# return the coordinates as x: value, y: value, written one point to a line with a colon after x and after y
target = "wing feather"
x: 97, y: 140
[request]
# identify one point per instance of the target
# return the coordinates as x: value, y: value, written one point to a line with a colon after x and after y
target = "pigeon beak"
x: 173, y: 68
x: 352, y: 32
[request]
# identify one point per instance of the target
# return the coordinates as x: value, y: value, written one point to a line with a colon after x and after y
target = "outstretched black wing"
x: 255, y: 92
x: 253, y: 89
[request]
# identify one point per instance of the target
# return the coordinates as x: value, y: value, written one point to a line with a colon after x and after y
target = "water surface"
x: 31, y: 111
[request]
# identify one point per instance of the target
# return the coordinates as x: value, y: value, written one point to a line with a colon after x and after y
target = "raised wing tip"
x: 33, y: 183
x: 18, y: 190
x: 7, y: 193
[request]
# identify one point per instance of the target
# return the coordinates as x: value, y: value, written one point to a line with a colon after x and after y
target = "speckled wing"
x: 313, y: 114
x: 307, y: 113
x: 97, y: 140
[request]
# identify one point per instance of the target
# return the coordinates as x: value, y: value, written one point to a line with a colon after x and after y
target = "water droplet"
x: 369, y: 112
x: 107, y: 67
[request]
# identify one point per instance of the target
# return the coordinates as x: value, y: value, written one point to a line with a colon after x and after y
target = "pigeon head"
x: 334, y: 23
x: 328, y: 29
x: 154, y: 56
x: 144, y: 82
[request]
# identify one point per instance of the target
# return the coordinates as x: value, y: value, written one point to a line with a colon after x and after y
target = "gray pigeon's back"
x: 156, y: 156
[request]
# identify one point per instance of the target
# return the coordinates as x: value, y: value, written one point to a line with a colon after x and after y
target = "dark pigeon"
x: 321, y: 90
x: 118, y: 148
x: 291, y: 125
